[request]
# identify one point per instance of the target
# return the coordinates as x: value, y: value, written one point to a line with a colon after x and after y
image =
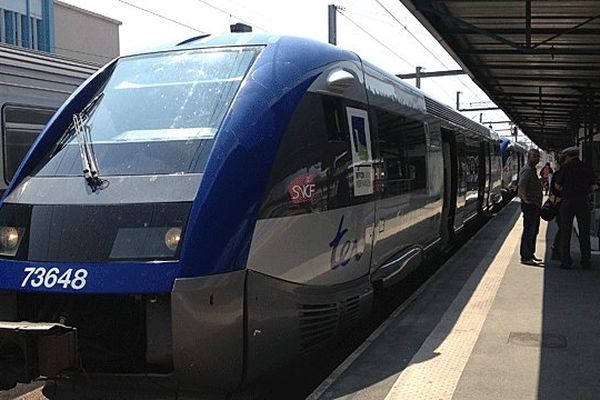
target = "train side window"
x: 472, y: 151
x: 402, y: 148
x: 20, y: 127
x: 313, y: 166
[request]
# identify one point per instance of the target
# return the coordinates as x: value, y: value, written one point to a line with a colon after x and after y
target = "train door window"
x: 402, y: 147
x: 313, y: 167
x: 497, y: 159
x: 20, y: 127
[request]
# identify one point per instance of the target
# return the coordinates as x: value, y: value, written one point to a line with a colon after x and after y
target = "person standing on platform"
x: 556, y: 197
x: 530, y: 193
x: 545, y: 175
x: 575, y: 182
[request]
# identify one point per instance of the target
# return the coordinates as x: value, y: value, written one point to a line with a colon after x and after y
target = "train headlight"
x: 10, y: 238
x: 151, y: 242
x: 172, y: 238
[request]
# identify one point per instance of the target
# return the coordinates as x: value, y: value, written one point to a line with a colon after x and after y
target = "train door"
x: 450, y: 168
x: 461, y: 181
x: 405, y: 213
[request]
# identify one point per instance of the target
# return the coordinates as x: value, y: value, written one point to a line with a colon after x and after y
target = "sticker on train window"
x: 303, y: 189
x: 49, y: 278
x: 362, y: 155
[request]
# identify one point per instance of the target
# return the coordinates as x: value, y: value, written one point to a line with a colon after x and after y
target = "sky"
x: 382, y: 32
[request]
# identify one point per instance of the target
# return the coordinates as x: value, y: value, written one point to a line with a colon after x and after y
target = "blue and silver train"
x: 204, y: 214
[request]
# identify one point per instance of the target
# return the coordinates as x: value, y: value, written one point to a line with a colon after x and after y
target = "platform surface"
x: 486, y: 327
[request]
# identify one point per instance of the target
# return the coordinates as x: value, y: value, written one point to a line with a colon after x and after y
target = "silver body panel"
x: 299, y: 249
x: 207, y: 316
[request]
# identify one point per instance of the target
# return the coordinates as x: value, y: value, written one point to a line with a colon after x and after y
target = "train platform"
x: 486, y: 327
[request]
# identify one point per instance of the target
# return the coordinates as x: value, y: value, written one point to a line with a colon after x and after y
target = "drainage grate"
x: 545, y: 340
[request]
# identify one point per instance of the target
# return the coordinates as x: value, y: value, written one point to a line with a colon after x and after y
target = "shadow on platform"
x: 571, y: 310
x: 395, y: 349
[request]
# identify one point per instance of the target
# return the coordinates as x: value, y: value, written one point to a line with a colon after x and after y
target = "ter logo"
x: 340, y: 256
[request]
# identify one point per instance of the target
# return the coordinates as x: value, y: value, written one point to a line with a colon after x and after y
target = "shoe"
x: 534, y: 258
x: 530, y: 262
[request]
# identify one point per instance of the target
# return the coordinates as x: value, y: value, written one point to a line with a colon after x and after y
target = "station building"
x: 59, y: 28
x: 47, y: 49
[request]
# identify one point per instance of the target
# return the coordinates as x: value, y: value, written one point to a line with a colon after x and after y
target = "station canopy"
x: 539, y: 61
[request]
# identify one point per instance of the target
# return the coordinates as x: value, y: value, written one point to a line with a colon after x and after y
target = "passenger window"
x: 402, y: 148
x: 313, y: 167
x: 20, y: 127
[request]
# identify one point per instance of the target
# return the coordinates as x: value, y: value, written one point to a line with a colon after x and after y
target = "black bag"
x: 548, y: 211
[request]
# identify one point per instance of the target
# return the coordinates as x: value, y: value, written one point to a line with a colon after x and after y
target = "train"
x: 514, y: 157
x: 205, y: 213
x: 33, y: 85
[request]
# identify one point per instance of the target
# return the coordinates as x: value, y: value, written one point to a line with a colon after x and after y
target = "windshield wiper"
x: 91, y: 172
x: 87, y: 110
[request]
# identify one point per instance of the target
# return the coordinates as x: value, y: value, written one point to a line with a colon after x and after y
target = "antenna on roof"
x: 240, y: 28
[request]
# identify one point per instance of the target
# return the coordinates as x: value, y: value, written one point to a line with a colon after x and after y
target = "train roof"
x: 432, y: 106
x: 507, y: 142
x: 45, y: 62
x: 238, y: 39
x: 437, y: 108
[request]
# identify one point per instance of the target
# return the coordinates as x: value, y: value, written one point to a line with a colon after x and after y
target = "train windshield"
x: 156, y: 114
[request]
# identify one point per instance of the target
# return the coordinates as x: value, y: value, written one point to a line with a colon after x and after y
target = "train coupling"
x: 30, y: 350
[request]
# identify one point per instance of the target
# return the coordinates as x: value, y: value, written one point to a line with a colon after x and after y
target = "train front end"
x: 93, y: 229
x: 126, y: 232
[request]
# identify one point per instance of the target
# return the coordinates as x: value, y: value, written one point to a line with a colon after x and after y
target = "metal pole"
x: 332, y: 24
x: 528, y: 23
x: 458, y: 100
x: 432, y: 74
x: 418, y: 76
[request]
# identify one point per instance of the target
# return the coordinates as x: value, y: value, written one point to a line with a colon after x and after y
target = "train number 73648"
x: 39, y: 276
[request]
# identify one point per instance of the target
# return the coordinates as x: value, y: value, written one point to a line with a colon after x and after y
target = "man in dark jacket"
x: 556, y: 196
x: 530, y: 192
x: 575, y: 182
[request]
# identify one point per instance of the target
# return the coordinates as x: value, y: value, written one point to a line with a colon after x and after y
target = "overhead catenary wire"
x: 425, y: 47
x: 232, y: 15
x: 374, y: 38
x: 450, y: 96
x: 412, y: 34
x: 375, y: 16
x: 162, y: 16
